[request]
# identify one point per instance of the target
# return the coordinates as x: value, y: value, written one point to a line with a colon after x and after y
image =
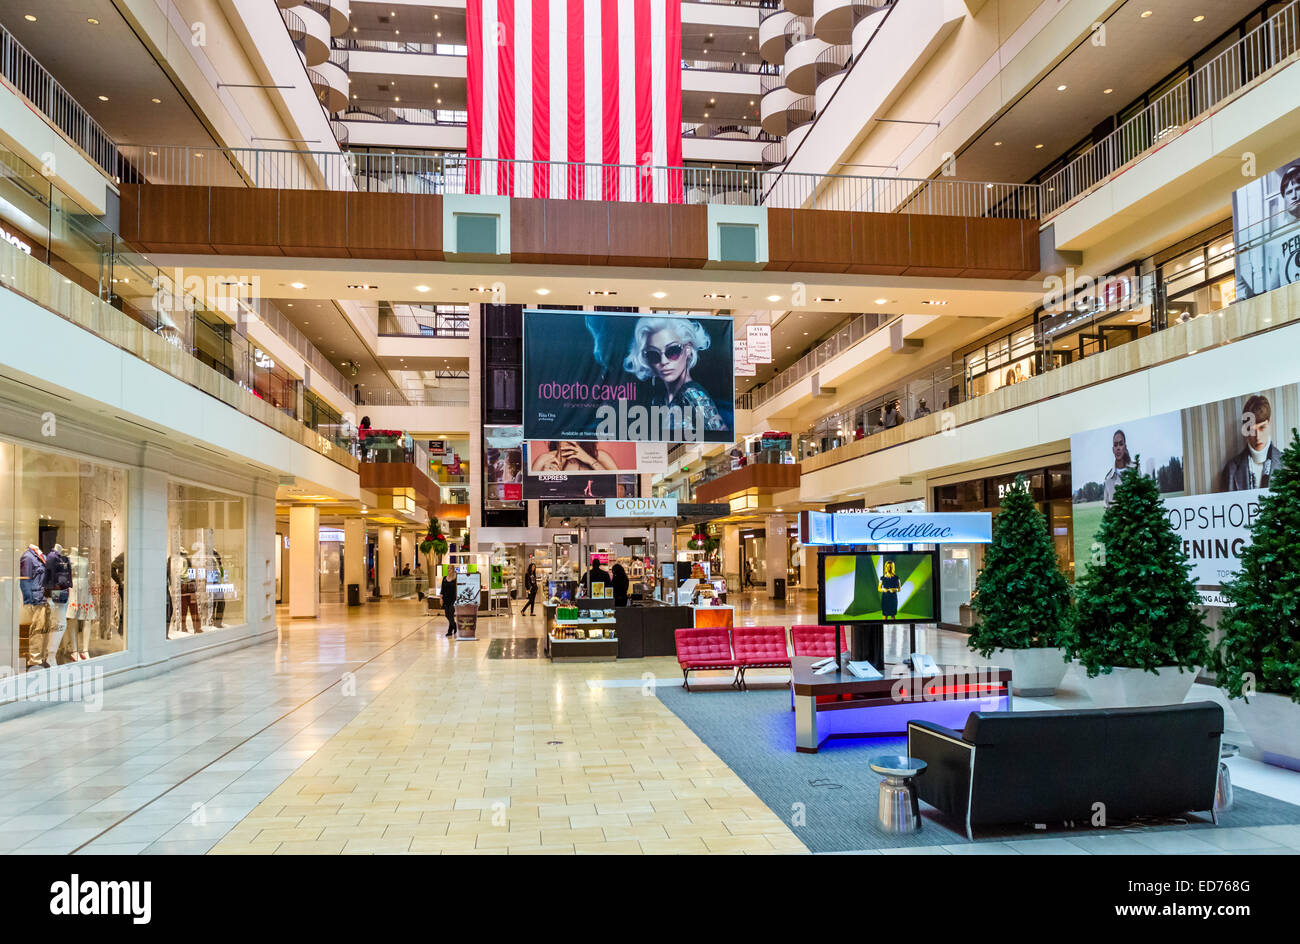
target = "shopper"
x: 922, y: 409
x: 597, y: 574
x: 749, y: 574
x: 449, y: 601
x: 530, y: 584
x: 620, y: 585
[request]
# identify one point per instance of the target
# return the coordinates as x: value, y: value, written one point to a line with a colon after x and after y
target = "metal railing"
x: 856, y: 331
x: 748, y: 68
x: 21, y: 69
x: 774, y: 153
x: 443, y: 117
x: 417, y: 322
x: 385, y: 45
x: 297, y: 30
x: 833, y: 60
x: 798, y: 29
x: 454, y: 173
x: 286, y: 329
x: 800, y: 111
x: 1272, y: 44
x: 733, y: 130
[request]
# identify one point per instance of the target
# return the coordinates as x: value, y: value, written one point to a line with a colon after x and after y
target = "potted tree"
x: 1258, y: 657
x: 1137, y: 629
x: 1022, y: 598
x: 433, y: 545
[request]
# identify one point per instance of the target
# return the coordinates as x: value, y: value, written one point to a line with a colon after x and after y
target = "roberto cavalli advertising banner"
x: 615, y: 376
x: 1211, y: 463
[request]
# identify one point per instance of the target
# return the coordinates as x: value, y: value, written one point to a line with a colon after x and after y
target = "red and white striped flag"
x: 594, y: 82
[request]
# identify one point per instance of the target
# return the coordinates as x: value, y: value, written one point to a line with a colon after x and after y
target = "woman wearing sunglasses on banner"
x: 665, y: 351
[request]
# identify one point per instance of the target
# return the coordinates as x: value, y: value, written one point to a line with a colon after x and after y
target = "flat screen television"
x: 878, y: 587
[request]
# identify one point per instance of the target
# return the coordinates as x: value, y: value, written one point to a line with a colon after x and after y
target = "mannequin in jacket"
x: 36, y: 610
x: 58, y: 581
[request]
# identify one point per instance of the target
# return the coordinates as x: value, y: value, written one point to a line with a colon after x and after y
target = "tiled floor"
x: 369, y: 731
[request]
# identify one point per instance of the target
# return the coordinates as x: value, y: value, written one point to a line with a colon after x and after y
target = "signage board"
x: 640, y: 508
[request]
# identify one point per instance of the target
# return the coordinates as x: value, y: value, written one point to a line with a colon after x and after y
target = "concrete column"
x: 304, y: 550
x: 777, y: 550
x: 731, y: 555
x: 354, y: 555
x: 808, y: 575
x: 384, y: 560
x: 408, y: 548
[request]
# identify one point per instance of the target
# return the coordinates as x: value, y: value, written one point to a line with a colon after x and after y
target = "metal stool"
x: 1223, y: 785
x: 897, y: 806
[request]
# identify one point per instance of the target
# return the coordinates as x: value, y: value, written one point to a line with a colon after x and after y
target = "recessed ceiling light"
x: 1037, y: 147
x: 716, y: 295
x: 1198, y: 18
x: 659, y: 294
x: 602, y: 291
x: 297, y: 285
x: 774, y: 298
x: 826, y: 298
x: 934, y: 301
x: 882, y: 301
x: 364, y: 287
x: 997, y: 144
x: 422, y: 288
x: 103, y: 98
x: 94, y: 22
x: 29, y: 17
x: 1145, y: 14
x: 156, y: 101
x: 543, y: 291
x: 1062, y: 88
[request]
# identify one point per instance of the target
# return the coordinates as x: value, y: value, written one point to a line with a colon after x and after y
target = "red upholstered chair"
x: 699, y: 650
x: 760, y: 647
x: 816, y: 641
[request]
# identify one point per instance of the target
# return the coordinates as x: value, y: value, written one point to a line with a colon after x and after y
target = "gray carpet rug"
x: 829, y: 798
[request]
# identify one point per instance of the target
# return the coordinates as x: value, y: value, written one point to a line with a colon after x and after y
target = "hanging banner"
x: 623, y: 377
x: 652, y: 457
x: 581, y: 457
x: 744, y: 366
x: 759, y: 337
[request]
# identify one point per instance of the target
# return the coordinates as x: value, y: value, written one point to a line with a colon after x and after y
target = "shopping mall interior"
x: 924, y: 388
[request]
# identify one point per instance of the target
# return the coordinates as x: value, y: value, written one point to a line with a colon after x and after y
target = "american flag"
x: 594, y: 82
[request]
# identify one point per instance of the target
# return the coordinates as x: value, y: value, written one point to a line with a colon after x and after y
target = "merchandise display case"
x: 582, y: 635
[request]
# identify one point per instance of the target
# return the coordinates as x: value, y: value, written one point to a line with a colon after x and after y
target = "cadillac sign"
x: 842, y: 529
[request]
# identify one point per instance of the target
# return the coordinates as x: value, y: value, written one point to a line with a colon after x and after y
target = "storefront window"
x: 205, y: 560
x: 68, y: 557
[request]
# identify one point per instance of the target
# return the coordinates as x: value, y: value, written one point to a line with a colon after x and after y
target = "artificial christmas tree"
x: 1022, y: 598
x: 1258, y: 657
x: 1137, y: 629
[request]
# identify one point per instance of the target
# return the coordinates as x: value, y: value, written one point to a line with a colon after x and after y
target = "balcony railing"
x: 456, y: 174
x: 30, y: 78
x: 385, y: 45
x: 424, y: 323
x: 857, y: 330
x: 1268, y: 47
x: 443, y: 117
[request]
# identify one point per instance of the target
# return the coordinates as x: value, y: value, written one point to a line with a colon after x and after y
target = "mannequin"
x: 58, y: 583
x: 216, y: 583
x: 81, y: 605
x: 36, y: 610
x: 189, y: 587
x: 118, y: 574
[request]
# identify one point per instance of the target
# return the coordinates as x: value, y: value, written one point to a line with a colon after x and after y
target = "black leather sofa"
x: 1054, y: 766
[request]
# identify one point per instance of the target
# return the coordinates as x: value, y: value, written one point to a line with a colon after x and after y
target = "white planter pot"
x: 1273, y: 723
x: 1035, y: 673
x: 1136, y: 688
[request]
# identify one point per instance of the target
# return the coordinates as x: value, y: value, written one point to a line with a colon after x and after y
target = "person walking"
x: 449, y: 601
x: 620, y: 582
x: 530, y: 584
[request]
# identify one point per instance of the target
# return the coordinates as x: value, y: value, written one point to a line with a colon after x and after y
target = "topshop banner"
x: 616, y: 376
x: 1210, y: 462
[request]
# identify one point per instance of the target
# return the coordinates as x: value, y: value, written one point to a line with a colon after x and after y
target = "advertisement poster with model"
x: 503, y: 453
x: 1210, y: 461
x: 1266, y: 231
x: 577, y: 481
x: 618, y: 376
x: 469, y: 589
x: 878, y: 587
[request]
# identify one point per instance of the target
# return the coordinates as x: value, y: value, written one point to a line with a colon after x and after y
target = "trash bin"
x: 354, y: 594
x: 778, y: 588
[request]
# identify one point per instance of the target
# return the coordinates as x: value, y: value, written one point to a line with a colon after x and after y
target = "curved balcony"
x: 801, y: 65
x: 783, y: 109
x: 771, y: 36
x: 866, y: 27
x: 799, y: 7
x: 340, y: 130
x: 833, y: 20
x: 330, y: 84
x: 774, y: 153
x: 798, y: 131
x: 826, y: 87
x: 340, y: 16
x: 310, y: 32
